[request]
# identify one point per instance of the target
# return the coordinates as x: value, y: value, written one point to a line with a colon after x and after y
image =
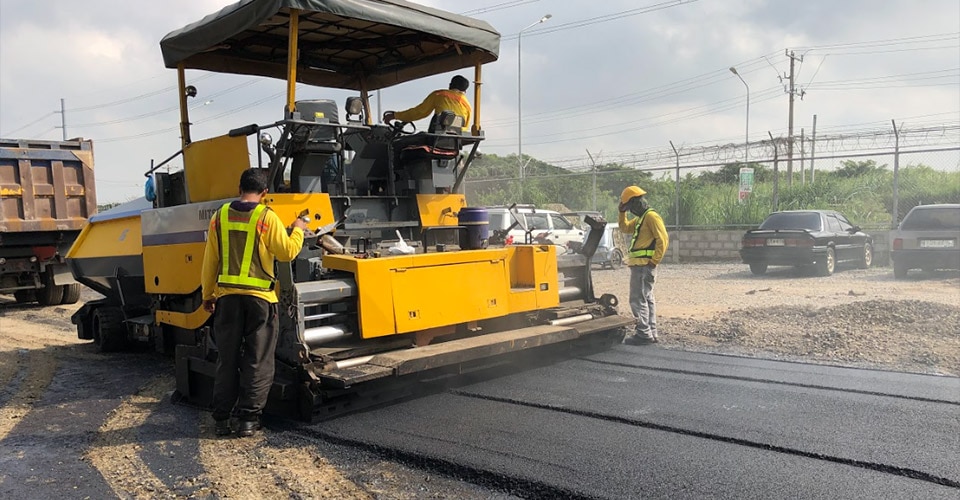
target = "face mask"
x: 639, y: 206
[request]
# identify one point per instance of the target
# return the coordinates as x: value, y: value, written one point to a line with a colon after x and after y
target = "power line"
x: 38, y: 120
x: 604, y: 18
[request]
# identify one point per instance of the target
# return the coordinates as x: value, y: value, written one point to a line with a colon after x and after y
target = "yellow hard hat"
x: 630, y: 193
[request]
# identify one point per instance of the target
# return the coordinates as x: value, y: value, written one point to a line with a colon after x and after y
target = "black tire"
x: 25, y: 296
x: 758, y: 268
x: 866, y: 260
x: 71, y: 294
x: 109, y: 333
x: 50, y: 294
x: 826, y: 266
x: 616, y: 261
x: 900, y: 269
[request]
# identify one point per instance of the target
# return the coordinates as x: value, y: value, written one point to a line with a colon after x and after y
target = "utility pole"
x: 63, y: 119
x: 792, y: 92
x: 594, y: 163
x: 813, y: 149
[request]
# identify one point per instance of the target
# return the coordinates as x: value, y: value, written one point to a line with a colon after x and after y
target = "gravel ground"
x: 855, y: 317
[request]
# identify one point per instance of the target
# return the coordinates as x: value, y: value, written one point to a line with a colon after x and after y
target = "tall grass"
x: 866, y: 199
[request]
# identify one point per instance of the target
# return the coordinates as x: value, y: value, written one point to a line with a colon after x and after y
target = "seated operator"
x: 454, y: 99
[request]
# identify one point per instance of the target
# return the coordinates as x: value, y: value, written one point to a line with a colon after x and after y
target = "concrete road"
x: 648, y: 422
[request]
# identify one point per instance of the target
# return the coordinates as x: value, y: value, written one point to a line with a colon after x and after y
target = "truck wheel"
x: 900, y: 269
x: 24, y: 296
x: 71, y: 294
x: 866, y: 260
x: 758, y: 268
x: 109, y: 333
x: 825, y: 267
x: 50, y: 294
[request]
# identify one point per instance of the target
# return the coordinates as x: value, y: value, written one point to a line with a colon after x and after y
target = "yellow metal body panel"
x: 439, y: 209
x: 411, y: 293
x: 188, y: 321
x: 213, y: 166
x: 172, y: 269
x: 108, y: 238
x: 289, y: 205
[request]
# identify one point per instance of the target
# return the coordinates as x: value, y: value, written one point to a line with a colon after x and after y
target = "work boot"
x: 638, y: 340
x: 222, y: 428
x: 247, y: 428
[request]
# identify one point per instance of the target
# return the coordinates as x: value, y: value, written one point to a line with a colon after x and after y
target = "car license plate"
x: 774, y: 242
x: 936, y: 243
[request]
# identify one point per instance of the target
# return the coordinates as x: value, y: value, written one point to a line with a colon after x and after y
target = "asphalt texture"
x: 648, y: 422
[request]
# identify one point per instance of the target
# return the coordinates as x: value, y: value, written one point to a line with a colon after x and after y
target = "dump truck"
x: 359, y: 324
x: 47, y: 193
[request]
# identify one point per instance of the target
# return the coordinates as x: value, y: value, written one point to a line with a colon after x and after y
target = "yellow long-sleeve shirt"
x: 273, y: 243
x: 437, y: 102
x: 651, y: 229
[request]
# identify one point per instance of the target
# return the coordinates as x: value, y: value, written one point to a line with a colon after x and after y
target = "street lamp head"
x: 734, y: 71
x: 544, y: 18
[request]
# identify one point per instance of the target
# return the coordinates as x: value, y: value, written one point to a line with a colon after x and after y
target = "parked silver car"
x: 928, y: 238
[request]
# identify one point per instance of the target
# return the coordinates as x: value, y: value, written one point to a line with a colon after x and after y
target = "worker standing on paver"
x: 245, y: 238
x: 647, y: 247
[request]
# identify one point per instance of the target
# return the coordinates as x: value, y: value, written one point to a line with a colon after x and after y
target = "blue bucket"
x: 477, y: 222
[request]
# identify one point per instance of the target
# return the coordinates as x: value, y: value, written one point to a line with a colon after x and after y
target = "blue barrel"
x: 477, y: 222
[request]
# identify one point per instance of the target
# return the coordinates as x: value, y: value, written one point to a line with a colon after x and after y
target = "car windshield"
x: 792, y: 220
x: 932, y: 218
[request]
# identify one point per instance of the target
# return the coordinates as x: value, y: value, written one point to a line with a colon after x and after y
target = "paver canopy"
x: 346, y: 44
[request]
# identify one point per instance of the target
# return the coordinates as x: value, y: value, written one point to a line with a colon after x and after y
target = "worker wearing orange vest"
x: 647, y: 247
x: 237, y: 284
x: 453, y: 99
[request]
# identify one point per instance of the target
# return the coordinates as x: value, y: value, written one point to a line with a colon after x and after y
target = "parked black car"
x: 928, y: 238
x: 817, y: 238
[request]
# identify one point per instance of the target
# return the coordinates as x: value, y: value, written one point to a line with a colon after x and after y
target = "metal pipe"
x: 570, y: 293
x: 315, y: 317
x: 348, y: 363
x: 320, y: 335
x: 571, y: 320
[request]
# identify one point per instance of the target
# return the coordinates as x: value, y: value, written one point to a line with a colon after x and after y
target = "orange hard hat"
x: 631, y: 192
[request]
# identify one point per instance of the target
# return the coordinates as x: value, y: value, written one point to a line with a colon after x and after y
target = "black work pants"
x: 245, y: 331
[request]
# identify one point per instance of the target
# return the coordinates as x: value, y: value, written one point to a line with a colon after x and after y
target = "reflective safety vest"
x: 644, y: 253
x: 241, y: 266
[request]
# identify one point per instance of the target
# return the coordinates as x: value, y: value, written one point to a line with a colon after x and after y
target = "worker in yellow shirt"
x: 453, y: 99
x: 647, y: 247
x: 238, y: 287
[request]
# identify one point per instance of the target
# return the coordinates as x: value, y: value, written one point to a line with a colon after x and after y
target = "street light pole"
x: 520, y: 102
x: 746, y: 144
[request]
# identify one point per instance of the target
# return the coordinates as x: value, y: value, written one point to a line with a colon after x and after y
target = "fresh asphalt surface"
x: 654, y: 423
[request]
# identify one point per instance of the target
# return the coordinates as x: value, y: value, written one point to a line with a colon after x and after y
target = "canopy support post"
x: 292, y: 57
x: 184, y: 115
x: 477, y: 82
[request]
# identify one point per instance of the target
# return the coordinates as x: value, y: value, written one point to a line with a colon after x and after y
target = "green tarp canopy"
x: 345, y: 44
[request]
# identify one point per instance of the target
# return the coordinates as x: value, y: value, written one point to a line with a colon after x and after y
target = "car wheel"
x: 900, y: 269
x: 826, y: 265
x: 866, y: 260
x: 50, y: 294
x: 758, y: 268
x: 616, y: 260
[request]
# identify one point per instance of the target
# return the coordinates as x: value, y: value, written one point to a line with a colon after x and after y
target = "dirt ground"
x: 857, y: 317
x: 85, y: 424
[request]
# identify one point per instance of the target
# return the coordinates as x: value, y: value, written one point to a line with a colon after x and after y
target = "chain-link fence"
x: 872, y: 176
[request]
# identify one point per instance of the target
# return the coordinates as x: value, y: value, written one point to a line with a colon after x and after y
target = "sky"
x: 610, y: 78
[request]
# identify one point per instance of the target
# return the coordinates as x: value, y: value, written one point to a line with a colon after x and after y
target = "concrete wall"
x: 718, y: 245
